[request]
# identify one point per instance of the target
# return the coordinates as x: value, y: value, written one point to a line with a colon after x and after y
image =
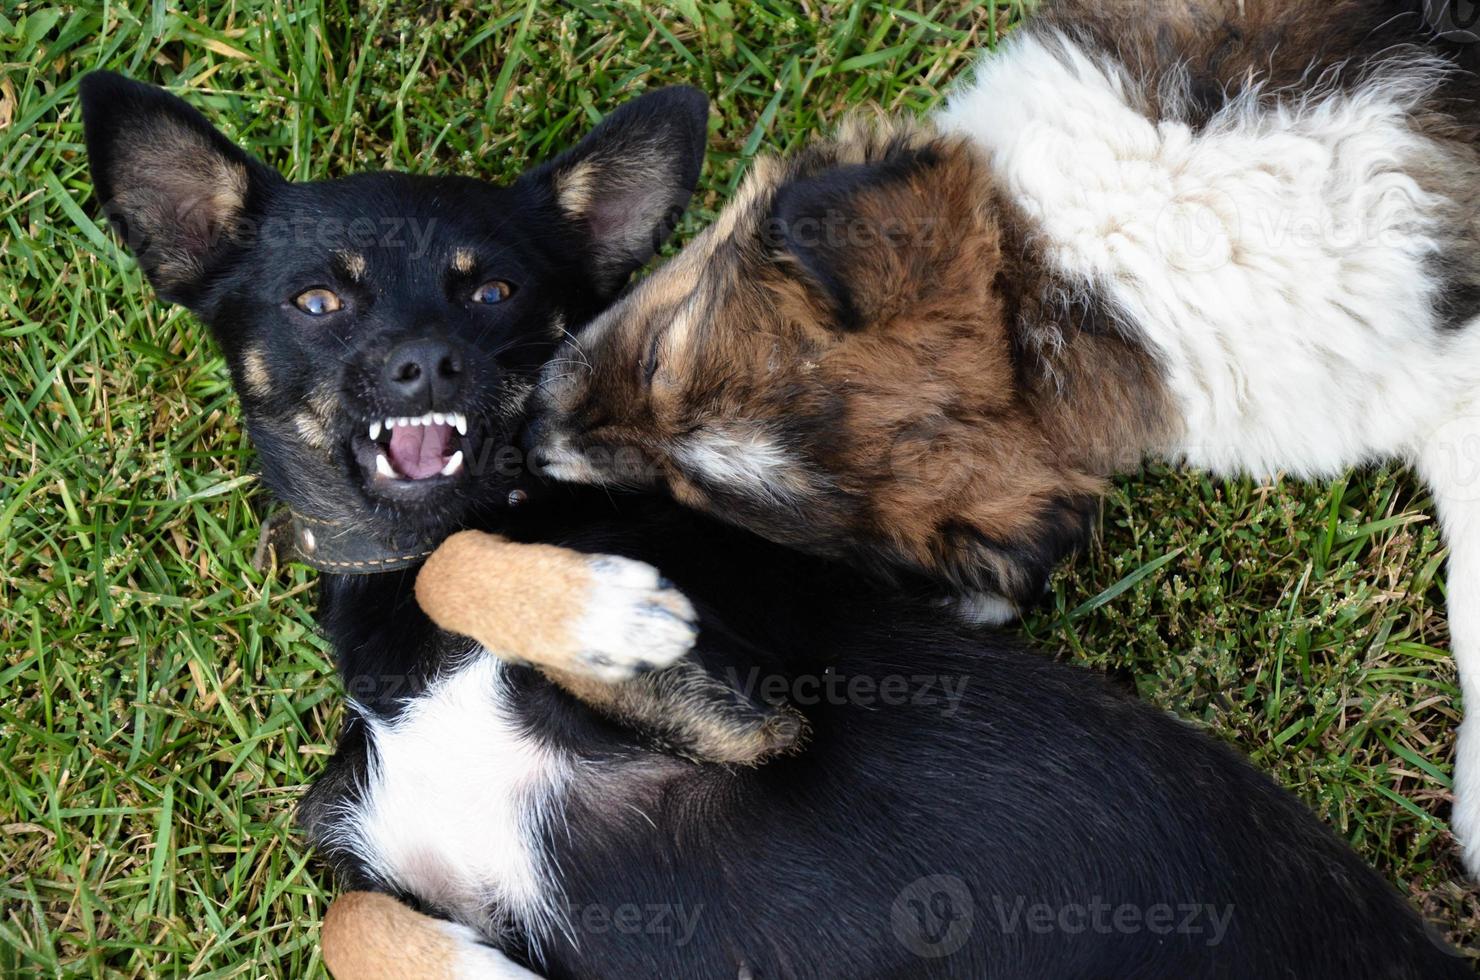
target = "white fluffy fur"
x: 477, y: 961
x: 1275, y: 261
x: 633, y: 620
x: 456, y: 799
x: 748, y: 461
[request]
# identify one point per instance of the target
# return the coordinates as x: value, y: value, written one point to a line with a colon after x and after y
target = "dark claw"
x: 657, y: 609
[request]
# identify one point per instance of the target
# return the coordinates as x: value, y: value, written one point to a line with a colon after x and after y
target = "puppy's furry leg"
x: 370, y: 936
x: 1450, y: 463
x: 598, y: 626
x: 596, y: 616
x: 694, y: 713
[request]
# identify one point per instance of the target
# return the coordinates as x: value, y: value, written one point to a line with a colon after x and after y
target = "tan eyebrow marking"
x: 354, y: 264
x: 462, y: 260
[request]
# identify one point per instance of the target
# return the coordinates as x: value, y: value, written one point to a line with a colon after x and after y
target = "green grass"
x: 162, y: 705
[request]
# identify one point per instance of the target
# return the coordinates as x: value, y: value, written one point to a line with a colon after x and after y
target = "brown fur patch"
x: 520, y: 600
x: 1217, y: 47
x: 370, y: 936
x: 463, y: 260
x: 693, y: 713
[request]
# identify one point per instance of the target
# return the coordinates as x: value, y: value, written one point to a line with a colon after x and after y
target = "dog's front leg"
x: 370, y: 936
x: 595, y: 616
x: 611, y: 632
x: 1450, y: 464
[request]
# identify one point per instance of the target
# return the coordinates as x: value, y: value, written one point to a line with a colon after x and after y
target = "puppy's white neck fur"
x: 1276, y: 261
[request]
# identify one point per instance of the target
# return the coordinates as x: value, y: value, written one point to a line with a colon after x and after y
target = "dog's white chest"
x: 1278, y: 260
x: 456, y: 799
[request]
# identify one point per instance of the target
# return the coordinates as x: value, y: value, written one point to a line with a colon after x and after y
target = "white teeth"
x: 439, y: 418
x: 383, y: 466
x: 390, y: 423
x: 454, y: 464
x: 403, y: 420
x: 460, y: 423
x: 374, y: 431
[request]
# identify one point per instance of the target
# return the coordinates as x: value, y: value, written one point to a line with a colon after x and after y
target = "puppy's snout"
x: 423, y: 374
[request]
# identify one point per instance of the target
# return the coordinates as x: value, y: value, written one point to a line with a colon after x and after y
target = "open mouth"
x: 412, y: 453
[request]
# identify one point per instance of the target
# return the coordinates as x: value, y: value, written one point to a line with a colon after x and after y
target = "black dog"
x: 964, y: 808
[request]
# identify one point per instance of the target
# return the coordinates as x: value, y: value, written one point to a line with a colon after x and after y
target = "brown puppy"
x: 1238, y: 234
x: 925, y: 346
x: 856, y: 359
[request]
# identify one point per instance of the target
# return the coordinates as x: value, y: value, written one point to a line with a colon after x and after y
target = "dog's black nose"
x: 424, y: 373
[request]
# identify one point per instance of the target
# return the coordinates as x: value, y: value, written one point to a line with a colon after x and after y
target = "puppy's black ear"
x: 171, y: 185
x: 627, y: 183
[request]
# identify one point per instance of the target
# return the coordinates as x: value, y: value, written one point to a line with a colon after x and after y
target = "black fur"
x: 1037, y: 787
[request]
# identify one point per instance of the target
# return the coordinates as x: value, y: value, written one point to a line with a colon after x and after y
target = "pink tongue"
x: 419, y: 451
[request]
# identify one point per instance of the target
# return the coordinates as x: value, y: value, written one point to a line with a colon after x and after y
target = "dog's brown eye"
x: 317, y: 302
x: 492, y: 291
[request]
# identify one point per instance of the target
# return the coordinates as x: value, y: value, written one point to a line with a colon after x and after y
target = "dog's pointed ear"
x: 172, y: 186
x: 626, y: 184
x: 871, y: 239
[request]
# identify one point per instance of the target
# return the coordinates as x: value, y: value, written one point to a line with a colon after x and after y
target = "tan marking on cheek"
x: 254, y: 374
x: 354, y: 265
x: 462, y: 260
x: 324, y: 400
x: 311, y: 430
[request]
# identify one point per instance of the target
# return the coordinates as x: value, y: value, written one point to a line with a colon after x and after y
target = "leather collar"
x: 337, y: 548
